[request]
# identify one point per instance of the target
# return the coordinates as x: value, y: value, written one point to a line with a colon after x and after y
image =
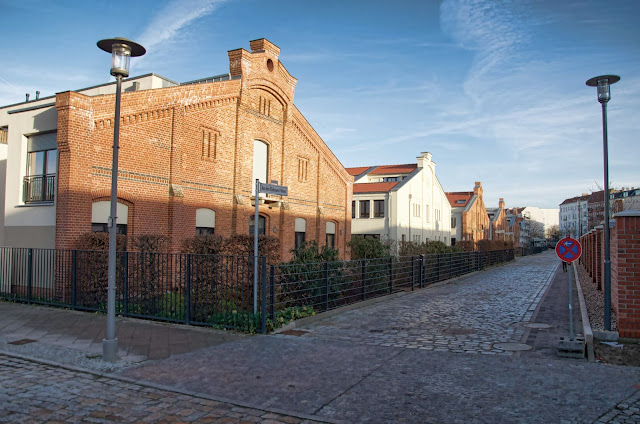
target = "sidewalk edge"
x: 586, y: 326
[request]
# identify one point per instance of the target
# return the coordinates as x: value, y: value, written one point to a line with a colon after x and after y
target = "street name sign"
x: 274, y: 189
x: 568, y: 249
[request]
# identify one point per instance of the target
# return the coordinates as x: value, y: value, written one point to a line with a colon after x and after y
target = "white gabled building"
x: 400, y: 202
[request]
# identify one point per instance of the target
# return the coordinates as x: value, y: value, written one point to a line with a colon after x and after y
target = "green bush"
x: 410, y: 248
x: 368, y: 248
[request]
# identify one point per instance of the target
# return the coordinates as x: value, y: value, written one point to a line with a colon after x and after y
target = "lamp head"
x: 603, y: 82
x: 121, y: 50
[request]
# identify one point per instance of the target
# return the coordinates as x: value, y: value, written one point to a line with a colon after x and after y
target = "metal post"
x: 420, y: 270
x: 187, y: 306
x: 391, y: 274
x: 272, y: 293
x: 570, y: 266
x: 29, y: 274
x: 326, y: 286
x: 363, y: 277
x: 263, y: 317
x: 110, y: 343
x: 607, y: 246
x: 413, y: 272
x: 255, y: 249
x: 74, y: 278
x: 125, y: 285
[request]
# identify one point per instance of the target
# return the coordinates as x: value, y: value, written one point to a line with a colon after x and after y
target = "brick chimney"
x: 501, y: 203
x: 264, y: 45
x: 477, y: 190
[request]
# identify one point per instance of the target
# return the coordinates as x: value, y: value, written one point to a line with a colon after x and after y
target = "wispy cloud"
x: 173, y: 18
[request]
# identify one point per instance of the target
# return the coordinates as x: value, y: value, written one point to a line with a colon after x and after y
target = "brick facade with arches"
x: 191, y: 146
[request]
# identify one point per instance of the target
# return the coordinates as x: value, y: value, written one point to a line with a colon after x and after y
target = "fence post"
x: 437, y: 267
x: 187, y: 294
x: 74, y: 278
x: 390, y: 274
x: 272, y: 301
x: 29, y: 273
x: 421, y: 270
x: 363, y: 277
x: 413, y: 272
x: 263, y: 317
x: 125, y: 285
x: 326, y: 286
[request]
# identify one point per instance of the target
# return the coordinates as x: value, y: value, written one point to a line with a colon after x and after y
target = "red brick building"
x: 189, y: 154
x: 469, y: 218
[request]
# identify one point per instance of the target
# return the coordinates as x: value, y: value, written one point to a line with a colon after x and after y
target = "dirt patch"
x: 620, y: 354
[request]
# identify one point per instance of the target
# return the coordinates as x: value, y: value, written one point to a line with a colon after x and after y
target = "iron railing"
x: 39, y: 188
x: 216, y: 290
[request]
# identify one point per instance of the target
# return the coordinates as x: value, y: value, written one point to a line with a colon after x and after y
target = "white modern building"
x: 547, y: 217
x: 573, y: 216
x: 400, y: 202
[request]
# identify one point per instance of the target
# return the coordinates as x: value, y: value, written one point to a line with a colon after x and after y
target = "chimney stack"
x: 27, y: 97
x: 37, y: 95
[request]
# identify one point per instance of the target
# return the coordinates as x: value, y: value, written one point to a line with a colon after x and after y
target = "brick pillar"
x: 625, y: 272
x: 598, y: 271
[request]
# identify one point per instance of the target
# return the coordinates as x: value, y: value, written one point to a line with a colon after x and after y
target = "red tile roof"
x: 373, y: 187
x: 459, y: 196
x: 357, y: 170
x: 394, y: 169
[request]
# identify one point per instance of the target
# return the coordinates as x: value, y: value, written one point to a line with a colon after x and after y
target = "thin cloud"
x: 173, y: 18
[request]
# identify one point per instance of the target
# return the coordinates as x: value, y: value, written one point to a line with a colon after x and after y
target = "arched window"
x: 260, y: 163
x: 331, y: 234
x: 301, y: 231
x: 205, y: 221
x: 261, y: 225
x: 100, y: 212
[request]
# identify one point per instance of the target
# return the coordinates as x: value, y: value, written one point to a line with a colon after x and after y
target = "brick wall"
x: 189, y: 147
x: 625, y: 268
x: 625, y: 272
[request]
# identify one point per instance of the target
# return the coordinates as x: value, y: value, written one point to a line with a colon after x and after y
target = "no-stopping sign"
x: 568, y: 249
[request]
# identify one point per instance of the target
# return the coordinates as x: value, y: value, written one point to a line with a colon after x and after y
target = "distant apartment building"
x: 469, y: 218
x: 189, y: 156
x: 400, y: 202
x: 625, y: 200
x: 573, y: 216
x: 522, y: 219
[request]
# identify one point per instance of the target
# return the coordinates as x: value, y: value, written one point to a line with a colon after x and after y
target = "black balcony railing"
x: 39, y: 188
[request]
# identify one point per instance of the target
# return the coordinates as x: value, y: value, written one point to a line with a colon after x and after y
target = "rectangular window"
x: 378, y: 208
x: 453, y: 222
x: 353, y: 209
x: 4, y: 135
x: 205, y: 231
x: 42, y: 166
x: 300, y: 238
x: 389, y: 179
x: 364, y: 209
x: 331, y: 241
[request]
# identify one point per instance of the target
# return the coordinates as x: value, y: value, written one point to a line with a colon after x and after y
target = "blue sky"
x: 494, y: 89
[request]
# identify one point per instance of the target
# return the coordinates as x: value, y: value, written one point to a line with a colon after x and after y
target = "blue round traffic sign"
x: 568, y: 249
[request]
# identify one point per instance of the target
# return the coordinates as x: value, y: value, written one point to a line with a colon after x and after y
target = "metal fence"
x: 215, y: 290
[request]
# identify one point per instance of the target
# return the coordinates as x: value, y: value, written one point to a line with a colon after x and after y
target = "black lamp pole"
x: 121, y: 50
x: 603, y: 82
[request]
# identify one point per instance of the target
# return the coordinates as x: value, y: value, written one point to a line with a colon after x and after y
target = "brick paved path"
x: 33, y: 392
x: 471, y: 315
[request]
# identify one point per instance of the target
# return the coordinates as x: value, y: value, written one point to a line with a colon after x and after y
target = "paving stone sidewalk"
x: 34, y: 393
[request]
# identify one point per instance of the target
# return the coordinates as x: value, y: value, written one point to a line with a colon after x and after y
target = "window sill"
x: 39, y: 204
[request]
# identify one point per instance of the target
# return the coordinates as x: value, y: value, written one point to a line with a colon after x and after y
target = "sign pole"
x: 255, y: 249
x: 570, y: 266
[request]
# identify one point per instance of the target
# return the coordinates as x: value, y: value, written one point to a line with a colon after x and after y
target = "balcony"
x: 39, y: 188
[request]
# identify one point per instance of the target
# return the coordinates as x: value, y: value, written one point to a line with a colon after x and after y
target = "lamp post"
x: 603, y: 83
x: 121, y: 50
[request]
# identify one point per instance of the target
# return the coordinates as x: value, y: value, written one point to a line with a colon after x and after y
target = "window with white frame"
x: 301, y: 231
x: 100, y: 212
x: 39, y: 183
x: 331, y: 234
x: 205, y: 222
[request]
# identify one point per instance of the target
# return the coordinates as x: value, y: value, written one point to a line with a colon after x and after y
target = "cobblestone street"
x: 471, y: 315
x: 436, y: 355
x: 34, y: 393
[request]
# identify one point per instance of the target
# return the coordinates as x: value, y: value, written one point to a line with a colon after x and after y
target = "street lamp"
x: 603, y: 82
x: 121, y: 50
